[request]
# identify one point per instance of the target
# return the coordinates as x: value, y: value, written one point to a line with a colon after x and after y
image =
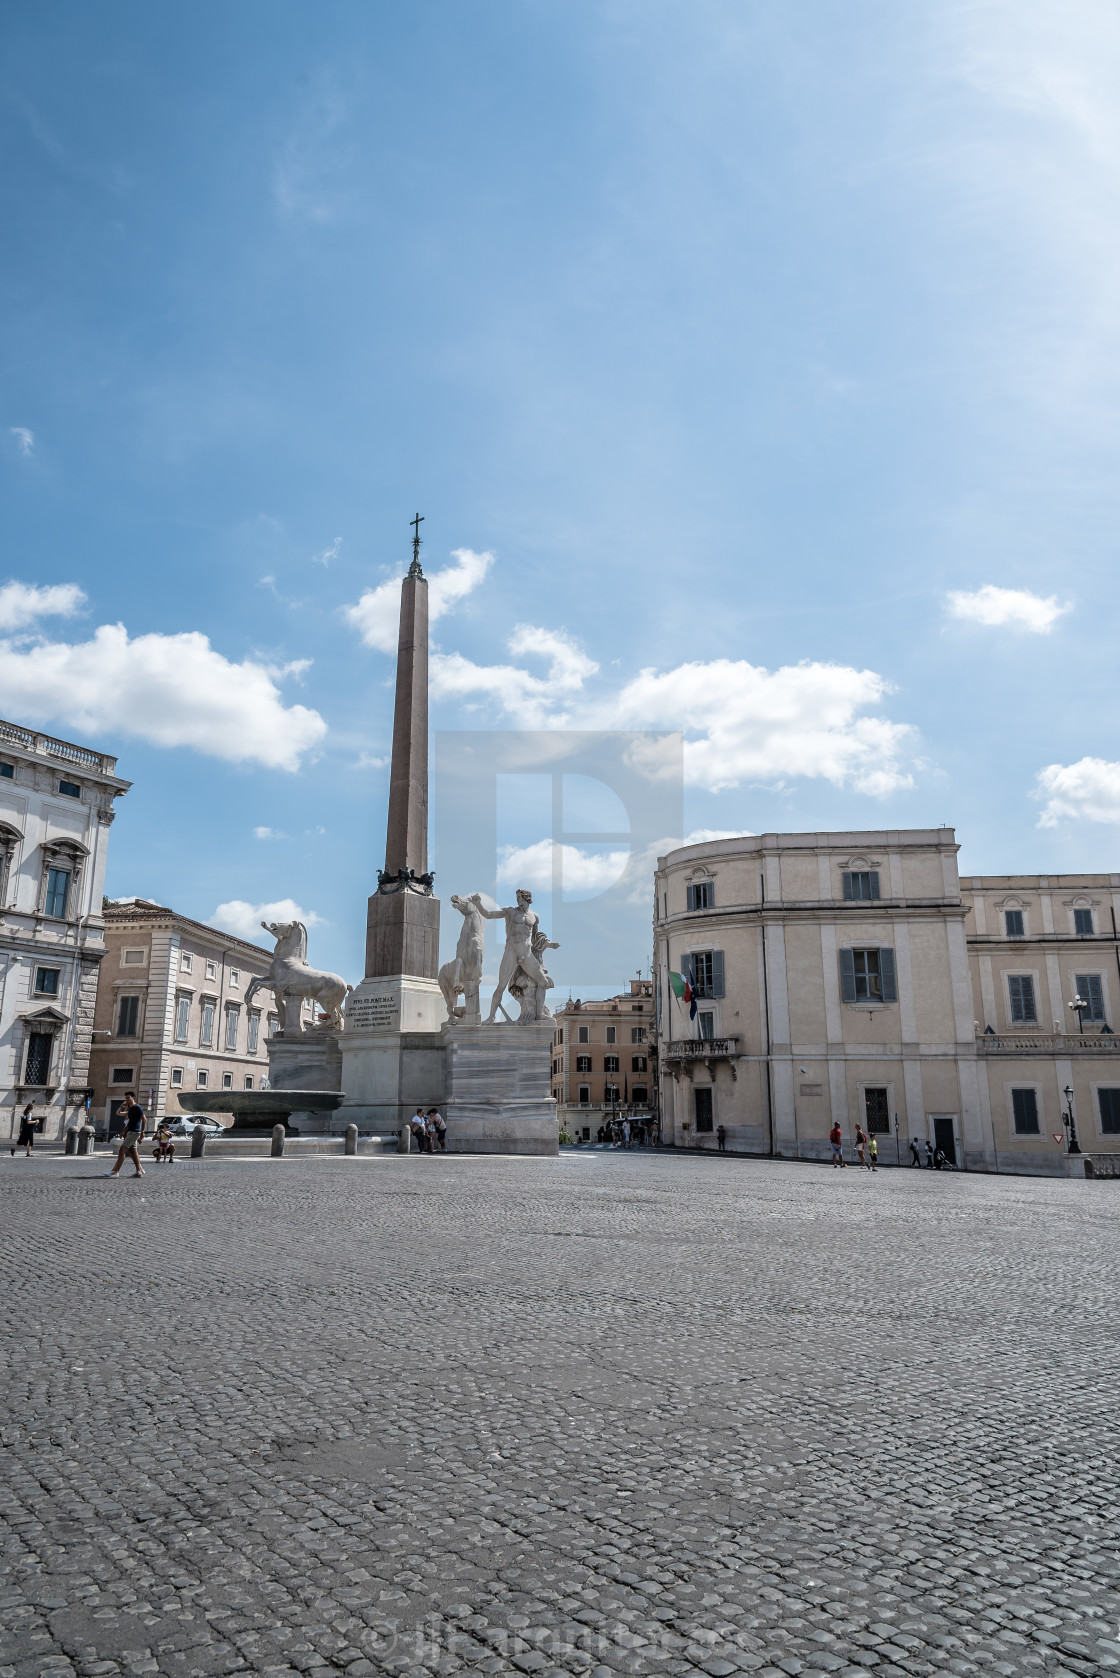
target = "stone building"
x: 171, y: 1014
x: 602, y: 1059
x: 56, y: 807
x: 853, y: 977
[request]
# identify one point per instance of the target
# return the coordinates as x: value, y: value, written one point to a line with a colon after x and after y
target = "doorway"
x: 944, y: 1135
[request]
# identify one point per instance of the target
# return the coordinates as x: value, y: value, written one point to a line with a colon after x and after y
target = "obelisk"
x: 402, y: 924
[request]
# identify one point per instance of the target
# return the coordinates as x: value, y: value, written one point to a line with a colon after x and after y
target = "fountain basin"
x: 255, y: 1111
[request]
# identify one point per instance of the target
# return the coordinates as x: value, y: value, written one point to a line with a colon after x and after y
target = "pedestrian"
x: 135, y: 1123
x: 872, y: 1153
x: 438, y: 1124
x: 721, y: 1137
x: 418, y: 1125
x: 836, y: 1137
x: 27, y: 1124
x: 626, y: 1133
x: 861, y: 1144
x: 929, y: 1156
x: 165, y: 1143
x: 915, y: 1156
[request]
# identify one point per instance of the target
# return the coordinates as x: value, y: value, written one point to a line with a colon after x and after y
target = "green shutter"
x: 886, y: 976
x: 847, y: 973
x: 717, y: 972
x: 848, y: 892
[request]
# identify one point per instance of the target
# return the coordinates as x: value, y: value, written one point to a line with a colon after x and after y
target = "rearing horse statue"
x: 290, y: 979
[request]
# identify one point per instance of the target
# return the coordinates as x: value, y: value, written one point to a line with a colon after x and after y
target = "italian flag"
x: 683, y: 991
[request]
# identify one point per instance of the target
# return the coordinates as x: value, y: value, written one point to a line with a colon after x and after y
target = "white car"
x: 188, y: 1123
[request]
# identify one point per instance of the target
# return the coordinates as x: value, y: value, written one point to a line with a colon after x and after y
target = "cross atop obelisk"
x: 402, y: 935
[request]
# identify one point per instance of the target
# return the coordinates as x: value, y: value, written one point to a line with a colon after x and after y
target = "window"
x: 1020, y: 991
x: 867, y: 976
x: 211, y: 969
x: 707, y: 1027
x: 176, y: 1077
x: 128, y: 1016
x: 637, y: 1034
x: 182, y: 1018
x: 610, y: 1063
x: 7, y: 771
x: 235, y: 977
x: 637, y: 1063
x: 253, y: 1026
x: 861, y: 887
x: 704, y: 968
x: 38, y: 1065
x: 640, y: 1094
x: 585, y: 1095
x: 701, y: 896
x: 875, y: 1108
x: 58, y: 889
x: 1090, y: 988
x: 248, y: 1080
x: 186, y: 962
x: 233, y: 1015
x: 583, y: 1034
x: 560, y: 1035
x: 133, y: 958
x: 206, y: 1032
x: 610, y: 1093
x: 69, y: 789
x: 1013, y: 922
x: 1109, y: 1103
x: 201, y: 1079
x: 1024, y: 1108
x: 121, y: 1075
x: 703, y: 1100
x: 273, y: 1024
x: 637, y: 1007
x: 583, y: 1063
x: 1083, y: 922
x: 612, y: 1034
x: 227, y: 1080
x: 46, y: 980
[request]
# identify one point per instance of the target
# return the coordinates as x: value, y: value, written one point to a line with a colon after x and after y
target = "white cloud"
x: 24, y: 603
x: 583, y: 871
x: 171, y: 690
x: 1088, y: 790
x: 530, y: 700
x: 327, y: 554
x: 1015, y: 607
x: 367, y: 760
x: 244, y: 919
x: 377, y: 614
x: 25, y: 440
x: 268, y: 833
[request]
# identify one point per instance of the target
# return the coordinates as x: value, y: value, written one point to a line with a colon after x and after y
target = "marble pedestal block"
x: 499, y: 1089
x: 402, y: 934
x: 392, y: 1052
x: 307, y: 1060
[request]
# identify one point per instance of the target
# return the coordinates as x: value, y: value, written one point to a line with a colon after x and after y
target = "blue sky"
x: 754, y: 367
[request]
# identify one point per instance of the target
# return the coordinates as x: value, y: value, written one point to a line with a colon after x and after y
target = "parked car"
x: 187, y: 1123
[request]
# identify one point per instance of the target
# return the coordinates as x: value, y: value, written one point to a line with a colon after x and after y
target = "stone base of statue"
x: 499, y: 1089
x: 392, y: 1053
x: 307, y: 1060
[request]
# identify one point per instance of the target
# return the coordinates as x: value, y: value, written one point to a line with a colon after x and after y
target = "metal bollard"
x: 404, y: 1139
x: 71, y: 1141
x: 198, y: 1142
x: 278, y: 1141
x: 351, y: 1138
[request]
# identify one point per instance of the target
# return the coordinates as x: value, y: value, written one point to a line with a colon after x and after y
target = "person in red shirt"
x: 836, y: 1137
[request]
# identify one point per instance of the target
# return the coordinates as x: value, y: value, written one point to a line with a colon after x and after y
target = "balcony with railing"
x: 1066, y: 1043
x: 65, y: 751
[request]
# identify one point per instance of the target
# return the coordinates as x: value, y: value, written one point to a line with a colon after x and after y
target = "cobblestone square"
x: 606, y: 1414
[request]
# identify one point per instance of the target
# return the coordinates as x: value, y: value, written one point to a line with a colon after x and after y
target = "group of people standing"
x: 429, y: 1131
x: 867, y: 1148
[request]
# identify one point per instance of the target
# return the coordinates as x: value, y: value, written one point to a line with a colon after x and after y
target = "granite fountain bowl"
x: 257, y: 1110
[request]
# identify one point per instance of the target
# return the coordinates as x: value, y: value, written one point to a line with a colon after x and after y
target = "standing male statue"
x: 525, y: 944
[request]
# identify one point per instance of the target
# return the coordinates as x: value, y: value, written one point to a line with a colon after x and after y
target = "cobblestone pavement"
x: 603, y: 1414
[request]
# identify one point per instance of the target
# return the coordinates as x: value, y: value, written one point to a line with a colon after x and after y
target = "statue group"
x: 522, y: 974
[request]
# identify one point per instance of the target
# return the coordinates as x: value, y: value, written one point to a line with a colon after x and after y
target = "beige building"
x: 56, y: 808
x: 602, y: 1059
x: 171, y: 1015
x: 854, y: 978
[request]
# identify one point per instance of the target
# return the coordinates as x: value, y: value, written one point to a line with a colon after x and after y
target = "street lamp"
x: 1070, y: 1122
x: 1079, y: 1007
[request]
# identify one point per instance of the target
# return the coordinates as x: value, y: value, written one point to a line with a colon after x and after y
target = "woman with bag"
x: 27, y: 1126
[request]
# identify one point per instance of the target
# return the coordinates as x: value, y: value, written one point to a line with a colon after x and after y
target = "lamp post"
x: 1079, y: 1007
x: 1070, y: 1122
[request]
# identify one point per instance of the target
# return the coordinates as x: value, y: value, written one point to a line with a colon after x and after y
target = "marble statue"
x: 463, y: 973
x: 290, y: 979
x: 522, y: 972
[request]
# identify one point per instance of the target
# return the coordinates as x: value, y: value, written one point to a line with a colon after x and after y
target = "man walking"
x: 135, y: 1123
x: 721, y: 1137
x: 915, y: 1156
x: 836, y: 1137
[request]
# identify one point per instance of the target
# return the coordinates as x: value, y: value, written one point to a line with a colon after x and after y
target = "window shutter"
x: 873, y: 877
x: 886, y: 975
x: 847, y: 973
x: 688, y: 969
x: 717, y: 972
x: 849, y: 894
x: 690, y: 897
